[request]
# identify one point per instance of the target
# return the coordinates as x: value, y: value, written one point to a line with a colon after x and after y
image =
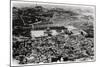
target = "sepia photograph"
x: 51, y: 33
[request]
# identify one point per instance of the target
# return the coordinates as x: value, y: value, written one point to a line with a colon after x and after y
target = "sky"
x: 21, y: 4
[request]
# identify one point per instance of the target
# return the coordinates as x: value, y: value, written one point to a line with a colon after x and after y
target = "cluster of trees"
x: 52, y: 49
x: 31, y: 15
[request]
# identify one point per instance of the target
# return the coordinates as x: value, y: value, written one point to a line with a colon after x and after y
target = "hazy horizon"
x: 22, y: 4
